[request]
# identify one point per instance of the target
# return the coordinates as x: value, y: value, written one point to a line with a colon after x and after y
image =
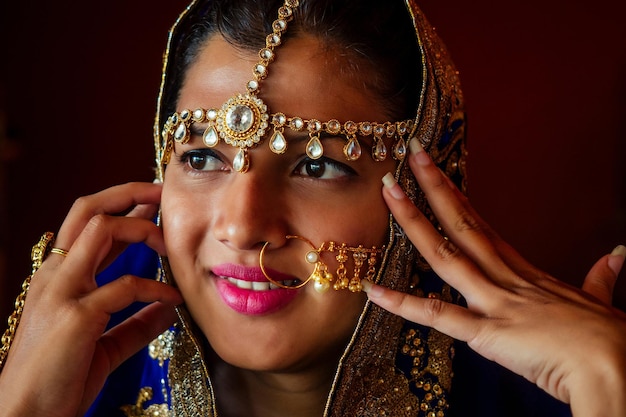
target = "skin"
x: 570, y: 342
x: 518, y: 315
x: 214, y: 215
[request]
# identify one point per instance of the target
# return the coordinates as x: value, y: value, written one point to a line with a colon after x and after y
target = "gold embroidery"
x: 162, y: 347
x: 137, y: 410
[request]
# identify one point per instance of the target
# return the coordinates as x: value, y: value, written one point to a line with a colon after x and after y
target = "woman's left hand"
x: 570, y: 342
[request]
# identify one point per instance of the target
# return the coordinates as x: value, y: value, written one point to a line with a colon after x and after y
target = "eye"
x: 202, y: 160
x: 323, y: 169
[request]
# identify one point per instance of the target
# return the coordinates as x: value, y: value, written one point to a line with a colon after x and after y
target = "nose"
x: 251, y: 213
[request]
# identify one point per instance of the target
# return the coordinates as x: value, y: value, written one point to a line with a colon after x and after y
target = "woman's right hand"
x: 61, y: 354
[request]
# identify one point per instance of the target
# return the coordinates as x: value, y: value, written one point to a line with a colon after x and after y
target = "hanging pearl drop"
x: 210, y: 137
x: 241, y: 162
x: 278, y: 144
x: 352, y: 150
x: 314, y: 148
x: 399, y: 151
x: 379, y: 152
x: 181, y: 134
x: 321, y: 286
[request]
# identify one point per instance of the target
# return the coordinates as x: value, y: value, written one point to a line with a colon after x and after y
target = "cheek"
x: 183, y: 226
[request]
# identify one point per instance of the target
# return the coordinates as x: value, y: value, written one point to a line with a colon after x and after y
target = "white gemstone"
x: 379, y: 152
x: 365, y: 128
x: 239, y: 118
x: 399, y: 151
x: 260, y: 69
x: 240, y: 162
x: 180, y: 133
x: 253, y: 85
x: 274, y: 39
x: 333, y: 126
x: 296, y: 123
x: 279, y: 119
x: 211, y: 114
x: 279, y: 25
x: 352, y: 150
x: 266, y: 54
x: 278, y: 144
x: 314, y: 148
x: 198, y: 115
x: 210, y: 137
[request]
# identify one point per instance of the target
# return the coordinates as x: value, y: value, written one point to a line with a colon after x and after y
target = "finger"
x: 124, y: 340
x: 124, y: 291
x: 600, y: 281
x: 92, y: 249
x: 444, y: 257
x: 460, y: 224
x: 451, y: 319
x: 113, y: 200
x: 510, y: 256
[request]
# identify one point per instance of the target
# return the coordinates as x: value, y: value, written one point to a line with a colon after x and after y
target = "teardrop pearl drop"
x: 352, y: 150
x: 321, y: 286
x: 399, y: 151
x: 278, y: 144
x: 181, y: 134
x: 241, y: 162
x: 379, y: 152
x: 314, y: 148
x: 210, y: 137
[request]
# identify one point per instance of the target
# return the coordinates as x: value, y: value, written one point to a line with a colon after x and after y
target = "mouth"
x: 261, y: 285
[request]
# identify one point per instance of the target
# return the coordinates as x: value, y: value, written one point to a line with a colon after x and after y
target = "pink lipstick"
x: 247, y: 291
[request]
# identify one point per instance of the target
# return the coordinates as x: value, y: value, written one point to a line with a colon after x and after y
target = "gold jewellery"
x: 244, y: 119
x: 321, y: 275
x: 38, y: 254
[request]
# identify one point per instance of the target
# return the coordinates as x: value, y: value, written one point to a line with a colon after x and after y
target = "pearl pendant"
x: 314, y: 148
x: 241, y: 162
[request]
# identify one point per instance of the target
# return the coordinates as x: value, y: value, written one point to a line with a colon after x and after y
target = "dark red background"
x: 544, y: 83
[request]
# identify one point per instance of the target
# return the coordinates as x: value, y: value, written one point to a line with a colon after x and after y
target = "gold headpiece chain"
x: 243, y: 119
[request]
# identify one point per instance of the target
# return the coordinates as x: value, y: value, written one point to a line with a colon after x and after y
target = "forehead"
x: 307, y: 79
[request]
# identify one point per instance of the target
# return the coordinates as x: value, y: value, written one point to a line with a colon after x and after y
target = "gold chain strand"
x: 38, y: 255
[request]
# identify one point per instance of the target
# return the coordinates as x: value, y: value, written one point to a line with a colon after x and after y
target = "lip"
x: 248, y: 301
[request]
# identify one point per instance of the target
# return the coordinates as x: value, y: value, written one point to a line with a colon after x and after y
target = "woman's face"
x: 216, y: 220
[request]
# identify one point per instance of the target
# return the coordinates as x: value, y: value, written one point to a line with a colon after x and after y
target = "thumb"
x: 601, y: 278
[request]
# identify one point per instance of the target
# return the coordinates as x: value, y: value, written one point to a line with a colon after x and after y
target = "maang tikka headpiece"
x: 244, y: 119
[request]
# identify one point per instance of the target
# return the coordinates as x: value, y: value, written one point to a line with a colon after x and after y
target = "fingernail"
x: 371, y: 289
x: 390, y: 184
x: 415, y: 146
x: 418, y: 152
x: 616, y: 259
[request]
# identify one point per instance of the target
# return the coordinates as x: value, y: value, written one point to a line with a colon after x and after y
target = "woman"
x: 265, y: 179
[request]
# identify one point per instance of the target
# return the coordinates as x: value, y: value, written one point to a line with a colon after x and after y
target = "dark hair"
x: 374, y: 38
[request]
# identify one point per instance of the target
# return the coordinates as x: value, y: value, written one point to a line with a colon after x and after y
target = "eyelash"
x: 325, y: 163
x: 207, y: 154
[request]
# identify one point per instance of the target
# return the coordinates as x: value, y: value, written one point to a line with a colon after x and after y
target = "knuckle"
x: 466, y: 222
x: 98, y: 222
x: 433, y: 309
x: 128, y: 281
x: 82, y: 204
x: 447, y: 250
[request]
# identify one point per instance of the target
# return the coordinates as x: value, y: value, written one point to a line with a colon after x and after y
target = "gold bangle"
x: 37, y: 255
